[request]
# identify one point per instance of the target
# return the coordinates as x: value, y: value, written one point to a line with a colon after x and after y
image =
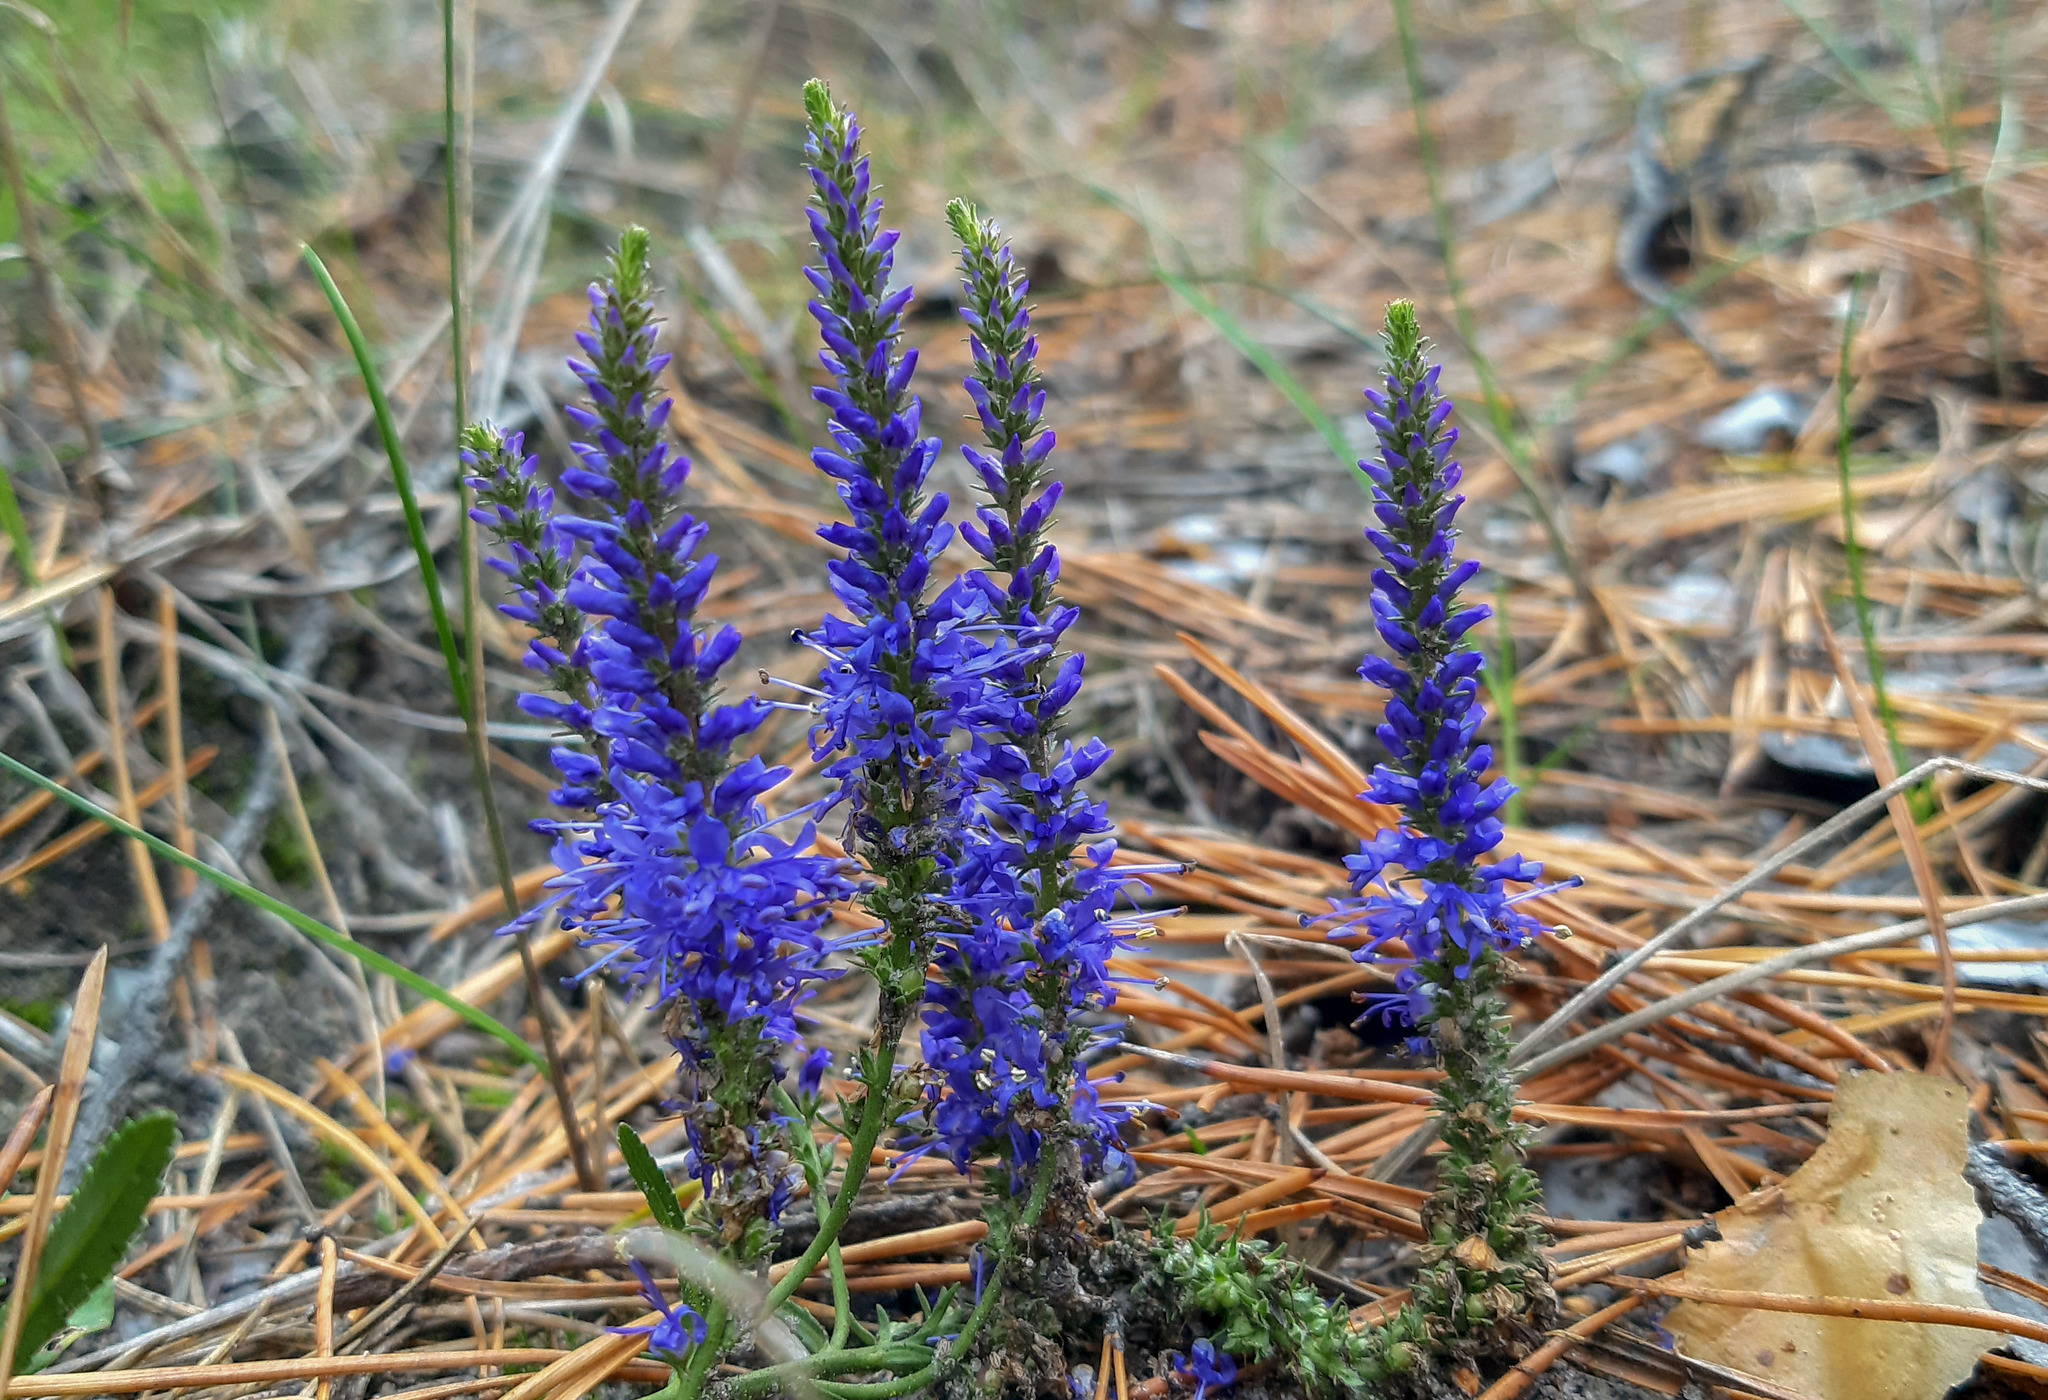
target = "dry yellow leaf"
x: 1880, y: 1211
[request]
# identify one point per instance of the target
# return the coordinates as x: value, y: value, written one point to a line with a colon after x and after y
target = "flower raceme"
x: 1032, y: 952
x: 1451, y: 907
x: 901, y: 668
x: 1433, y: 906
x: 721, y: 917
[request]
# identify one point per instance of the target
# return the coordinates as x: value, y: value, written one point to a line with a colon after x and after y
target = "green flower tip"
x: 974, y: 232
x: 484, y: 439
x: 1404, y: 332
x: 629, y: 270
x: 818, y: 105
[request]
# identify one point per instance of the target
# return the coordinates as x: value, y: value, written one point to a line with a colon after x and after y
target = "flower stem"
x: 1041, y: 1192
x: 1483, y: 1269
x: 874, y: 1117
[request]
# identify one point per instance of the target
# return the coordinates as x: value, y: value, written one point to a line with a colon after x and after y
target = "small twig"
x: 25, y: 1129
x: 1762, y: 971
x: 1866, y: 1309
x: 323, y: 1314
x: 124, y: 785
x: 410, y: 1289
x: 1525, y: 1058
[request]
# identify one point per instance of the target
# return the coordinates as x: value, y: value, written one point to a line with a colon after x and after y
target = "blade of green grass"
x: 401, y: 475
x: 1500, y: 688
x: 1514, y: 442
x: 1866, y: 622
x: 304, y: 923
x: 1242, y: 340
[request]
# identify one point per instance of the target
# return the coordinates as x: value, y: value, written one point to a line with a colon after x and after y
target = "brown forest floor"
x: 1658, y: 217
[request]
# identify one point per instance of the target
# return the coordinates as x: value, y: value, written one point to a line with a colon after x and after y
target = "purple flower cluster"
x: 518, y: 506
x: 898, y: 669
x: 1033, y: 952
x: 719, y: 915
x: 1447, y: 908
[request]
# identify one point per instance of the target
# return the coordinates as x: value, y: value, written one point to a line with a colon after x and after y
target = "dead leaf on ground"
x: 1881, y: 1211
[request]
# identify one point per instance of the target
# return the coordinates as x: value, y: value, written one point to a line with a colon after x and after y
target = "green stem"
x: 689, y: 1381
x: 1041, y: 1192
x: 892, y: 1356
x: 879, y: 1390
x: 874, y: 1116
x: 842, y: 1299
x: 1866, y: 621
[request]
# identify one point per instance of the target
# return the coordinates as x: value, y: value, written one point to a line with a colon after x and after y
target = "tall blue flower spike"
x: 721, y: 917
x: 1003, y: 1030
x: 899, y: 669
x: 1433, y: 904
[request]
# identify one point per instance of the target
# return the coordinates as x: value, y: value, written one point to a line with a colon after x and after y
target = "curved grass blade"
x: 91, y: 1234
x: 1264, y: 361
x: 468, y: 703
x: 401, y: 475
x: 311, y: 927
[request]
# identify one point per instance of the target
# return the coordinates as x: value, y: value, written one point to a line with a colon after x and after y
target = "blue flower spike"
x: 669, y: 862
x: 898, y: 670
x: 1431, y: 899
x: 1005, y: 1028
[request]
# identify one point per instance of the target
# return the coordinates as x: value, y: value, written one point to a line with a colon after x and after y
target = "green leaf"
x: 661, y: 1197
x: 304, y: 923
x: 92, y: 1232
x: 96, y: 1313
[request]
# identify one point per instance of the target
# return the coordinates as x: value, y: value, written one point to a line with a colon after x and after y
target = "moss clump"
x: 1262, y: 1308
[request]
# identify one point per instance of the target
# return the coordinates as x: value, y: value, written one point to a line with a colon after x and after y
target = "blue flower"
x: 680, y: 1327
x: 672, y: 868
x: 1212, y: 1369
x: 1004, y: 1026
x: 897, y: 668
x: 1445, y: 905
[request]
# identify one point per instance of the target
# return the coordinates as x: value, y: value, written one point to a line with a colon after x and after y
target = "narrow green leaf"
x: 304, y: 923
x: 96, y: 1313
x: 1499, y: 679
x: 92, y: 1232
x: 1866, y: 620
x: 1264, y: 361
x: 17, y: 530
x: 661, y: 1197
x: 401, y: 476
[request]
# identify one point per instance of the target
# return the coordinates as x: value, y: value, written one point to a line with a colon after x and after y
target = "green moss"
x: 1261, y: 1307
